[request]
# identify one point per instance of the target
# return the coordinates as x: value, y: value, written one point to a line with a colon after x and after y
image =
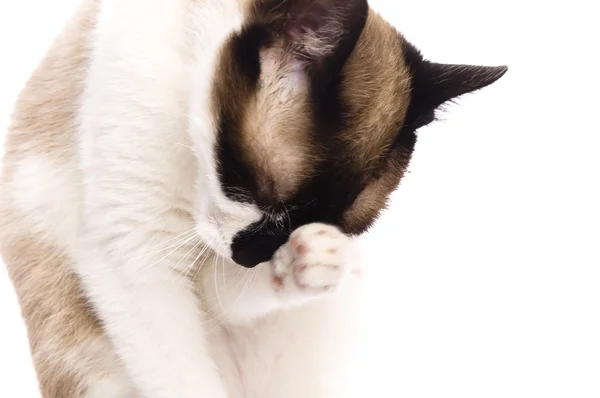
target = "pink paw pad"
x: 297, y: 246
x: 277, y: 282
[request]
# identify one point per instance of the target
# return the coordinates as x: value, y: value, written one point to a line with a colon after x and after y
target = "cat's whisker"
x: 180, y: 144
x: 216, y: 284
x: 179, y: 238
x: 288, y: 216
x: 198, y: 269
x: 261, y: 225
x: 196, y: 245
x: 181, y: 244
x: 238, y: 278
x: 203, y: 252
x: 246, y: 275
x: 249, y: 277
x: 223, y: 275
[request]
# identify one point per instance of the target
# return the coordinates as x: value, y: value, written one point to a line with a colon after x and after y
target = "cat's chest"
x: 254, y: 360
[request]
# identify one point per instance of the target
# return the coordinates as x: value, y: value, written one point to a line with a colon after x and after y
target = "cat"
x: 183, y: 184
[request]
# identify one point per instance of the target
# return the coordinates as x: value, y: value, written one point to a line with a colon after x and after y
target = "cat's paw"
x: 314, y: 260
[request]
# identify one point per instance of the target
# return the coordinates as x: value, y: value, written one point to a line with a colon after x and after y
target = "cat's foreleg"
x: 152, y: 317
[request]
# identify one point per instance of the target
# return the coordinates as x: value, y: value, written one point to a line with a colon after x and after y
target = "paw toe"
x: 317, y: 276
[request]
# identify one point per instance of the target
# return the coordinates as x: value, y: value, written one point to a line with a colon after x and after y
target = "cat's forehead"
x: 276, y: 132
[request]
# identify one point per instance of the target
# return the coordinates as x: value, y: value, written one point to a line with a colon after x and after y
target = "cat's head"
x: 317, y: 104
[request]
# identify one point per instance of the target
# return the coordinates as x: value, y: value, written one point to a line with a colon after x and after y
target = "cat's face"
x: 317, y: 104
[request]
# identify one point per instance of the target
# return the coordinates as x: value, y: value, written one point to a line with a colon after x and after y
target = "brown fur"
x: 275, y: 133
x: 59, y: 322
x: 378, y: 92
x: 44, y: 116
x: 275, y: 154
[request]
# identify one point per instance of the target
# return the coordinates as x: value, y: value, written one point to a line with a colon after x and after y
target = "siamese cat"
x: 183, y: 184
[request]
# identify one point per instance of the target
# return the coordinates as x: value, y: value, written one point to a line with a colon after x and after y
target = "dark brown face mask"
x: 368, y: 92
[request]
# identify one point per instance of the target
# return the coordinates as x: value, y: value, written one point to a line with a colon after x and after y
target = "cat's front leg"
x: 153, y: 320
x: 308, y: 304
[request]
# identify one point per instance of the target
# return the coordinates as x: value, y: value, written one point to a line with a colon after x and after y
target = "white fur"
x: 114, y: 383
x: 150, y: 188
x: 219, y: 219
x: 40, y: 188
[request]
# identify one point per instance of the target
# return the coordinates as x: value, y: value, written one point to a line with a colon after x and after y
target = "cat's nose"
x: 249, y: 258
x: 249, y: 250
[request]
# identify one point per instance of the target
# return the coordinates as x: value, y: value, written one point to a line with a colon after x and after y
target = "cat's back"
x: 40, y: 175
x: 39, y: 206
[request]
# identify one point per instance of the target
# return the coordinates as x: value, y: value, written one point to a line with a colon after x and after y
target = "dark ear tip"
x: 498, y: 71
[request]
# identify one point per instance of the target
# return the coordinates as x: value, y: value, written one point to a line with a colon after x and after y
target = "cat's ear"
x: 320, y: 34
x: 434, y: 84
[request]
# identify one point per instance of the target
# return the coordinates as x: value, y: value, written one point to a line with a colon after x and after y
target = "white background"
x: 484, y: 275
